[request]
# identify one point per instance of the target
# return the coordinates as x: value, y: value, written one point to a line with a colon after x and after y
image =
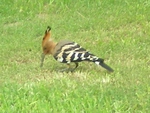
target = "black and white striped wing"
x: 71, y: 52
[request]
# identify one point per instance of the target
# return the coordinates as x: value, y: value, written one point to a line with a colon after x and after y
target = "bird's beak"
x: 42, y: 59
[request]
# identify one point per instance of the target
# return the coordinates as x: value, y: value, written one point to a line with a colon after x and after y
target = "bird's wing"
x: 67, y: 51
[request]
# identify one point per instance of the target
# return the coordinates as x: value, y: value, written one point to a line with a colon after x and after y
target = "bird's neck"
x: 52, y: 46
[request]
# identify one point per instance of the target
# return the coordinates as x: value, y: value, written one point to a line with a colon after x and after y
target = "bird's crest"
x: 47, y: 42
x: 48, y: 29
x: 47, y: 35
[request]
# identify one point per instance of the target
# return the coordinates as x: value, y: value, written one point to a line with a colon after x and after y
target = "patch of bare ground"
x: 42, y: 16
x: 12, y: 24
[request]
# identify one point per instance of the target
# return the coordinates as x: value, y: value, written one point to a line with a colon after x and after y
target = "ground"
x: 117, y: 31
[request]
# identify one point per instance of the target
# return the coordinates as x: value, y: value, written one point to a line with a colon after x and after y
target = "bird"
x: 66, y: 51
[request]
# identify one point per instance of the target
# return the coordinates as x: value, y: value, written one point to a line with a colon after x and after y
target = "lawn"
x: 116, y: 30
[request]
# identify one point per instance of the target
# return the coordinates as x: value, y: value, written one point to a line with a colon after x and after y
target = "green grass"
x: 118, y: 31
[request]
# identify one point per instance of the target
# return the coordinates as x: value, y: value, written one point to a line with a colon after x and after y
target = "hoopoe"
x: 67, y: 51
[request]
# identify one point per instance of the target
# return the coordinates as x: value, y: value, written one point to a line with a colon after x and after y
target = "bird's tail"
x: 100, y: 62
x: 106, y: 67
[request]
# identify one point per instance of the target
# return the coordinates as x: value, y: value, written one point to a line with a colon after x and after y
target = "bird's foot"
x: 67, y: 70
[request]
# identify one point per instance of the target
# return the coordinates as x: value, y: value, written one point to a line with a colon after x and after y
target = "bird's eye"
x: 43, y: 38
x: 44, y: 48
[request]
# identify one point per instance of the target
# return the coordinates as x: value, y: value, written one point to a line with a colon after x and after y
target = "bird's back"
x: 59, y: 46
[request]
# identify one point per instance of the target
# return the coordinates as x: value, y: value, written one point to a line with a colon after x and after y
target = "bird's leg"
x: 66, y: 69
x: 76, y: 65
x: 42, y: 59
x: 69, y: 68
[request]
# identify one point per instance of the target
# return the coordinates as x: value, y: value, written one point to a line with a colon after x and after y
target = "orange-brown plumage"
x: 47, y: 44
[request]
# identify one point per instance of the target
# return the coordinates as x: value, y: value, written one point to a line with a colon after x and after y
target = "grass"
x: 117, y: 31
